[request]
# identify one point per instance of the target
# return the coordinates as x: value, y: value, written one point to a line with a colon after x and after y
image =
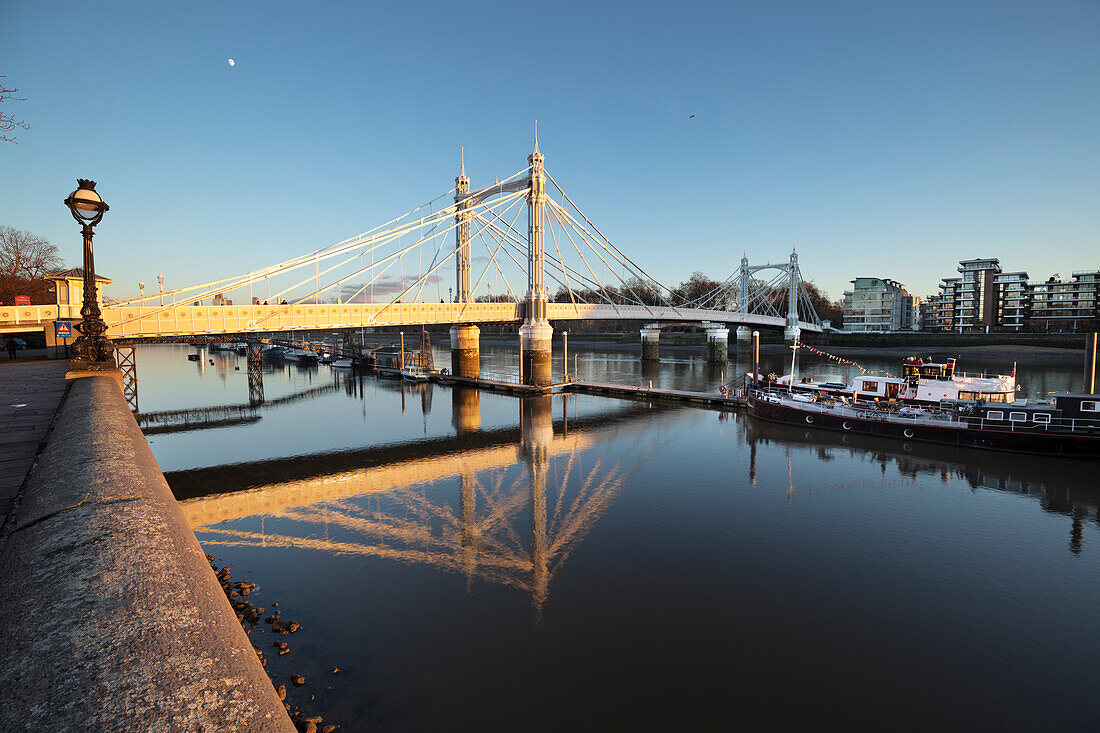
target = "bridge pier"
x: 535, y: 337
x: 744, y: 334
x: 466, y: 351
x: 717, y: 343
x: 651, y: 342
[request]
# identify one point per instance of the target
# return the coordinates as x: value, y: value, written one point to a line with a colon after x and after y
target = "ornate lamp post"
x: 160, y: 285
x: 92, y: 347
x: 141, y: 290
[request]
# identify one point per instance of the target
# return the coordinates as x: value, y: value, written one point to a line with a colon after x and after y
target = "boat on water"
x: 343, y: 363
x: 413, y: 373
x: 1066, y: 425
x: 922, y: 383
x: 306, y: 358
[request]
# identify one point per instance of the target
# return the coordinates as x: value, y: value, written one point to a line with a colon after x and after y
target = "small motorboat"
x: 413, y: 374
x: 193, y: 357
x: 343, y: 364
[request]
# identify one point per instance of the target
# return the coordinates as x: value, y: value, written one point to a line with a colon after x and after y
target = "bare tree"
x: 9, y: 122
x: 25, y: 259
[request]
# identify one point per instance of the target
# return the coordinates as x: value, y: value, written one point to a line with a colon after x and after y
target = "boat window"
x: 994, y: 397
x: 1017, y: 416
x: 995, y: 415
x: 968, y: 395
x: 1041, y: 417
x: 1089, y: 406
x: 870, y: 386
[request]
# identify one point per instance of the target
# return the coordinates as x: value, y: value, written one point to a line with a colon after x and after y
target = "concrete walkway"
x: 30, y: 396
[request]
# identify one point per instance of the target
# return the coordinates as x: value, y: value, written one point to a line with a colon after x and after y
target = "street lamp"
x: 141, y: 290
x: 92, y: 347
x: 160, y: 285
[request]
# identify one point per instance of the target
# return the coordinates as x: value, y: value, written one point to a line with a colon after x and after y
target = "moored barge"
x: 1068, y: 425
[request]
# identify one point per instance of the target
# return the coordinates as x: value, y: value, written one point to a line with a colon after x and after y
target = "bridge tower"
x: 792, y: 332
x: 465, y: 340
x: 536, y: 333
x: 744, y: 333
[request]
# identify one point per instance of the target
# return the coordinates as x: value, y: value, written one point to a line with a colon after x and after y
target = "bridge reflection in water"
x: 525, y: 498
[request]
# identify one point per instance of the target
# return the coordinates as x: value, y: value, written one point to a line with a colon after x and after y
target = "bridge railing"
x: 150, y: 321
x: 135, y: 322
x: 33, y: 315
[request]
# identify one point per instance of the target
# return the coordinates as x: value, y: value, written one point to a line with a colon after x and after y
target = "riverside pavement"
x: 30, y: 396
x: 112, y: 618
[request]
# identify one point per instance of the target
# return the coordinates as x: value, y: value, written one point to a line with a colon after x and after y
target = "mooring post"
x: 565, y: 356
x: 755, y: 357
x: 1090, y: 363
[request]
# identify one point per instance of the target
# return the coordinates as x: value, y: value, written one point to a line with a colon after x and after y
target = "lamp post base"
x: 86, y: 365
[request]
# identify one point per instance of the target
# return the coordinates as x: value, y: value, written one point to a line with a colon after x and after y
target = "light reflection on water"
x: 476, y: 561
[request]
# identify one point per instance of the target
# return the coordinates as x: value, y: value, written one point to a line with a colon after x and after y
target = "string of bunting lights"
x: 842, y: 360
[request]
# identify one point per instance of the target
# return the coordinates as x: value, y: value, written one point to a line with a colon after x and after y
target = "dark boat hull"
x: 1085, y: 445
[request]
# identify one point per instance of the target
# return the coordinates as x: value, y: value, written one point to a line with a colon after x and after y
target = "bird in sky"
x: 690, y: 116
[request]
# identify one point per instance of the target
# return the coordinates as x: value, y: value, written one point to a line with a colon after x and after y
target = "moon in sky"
x: 232, y: 62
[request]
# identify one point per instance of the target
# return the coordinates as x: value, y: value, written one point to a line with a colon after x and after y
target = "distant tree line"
x: 693, y: 291
x: 25, y: 261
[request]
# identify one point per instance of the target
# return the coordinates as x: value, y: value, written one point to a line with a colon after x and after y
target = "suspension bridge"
x: 392, y: 276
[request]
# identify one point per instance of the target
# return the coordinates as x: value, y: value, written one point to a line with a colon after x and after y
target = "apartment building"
x: 879, y: 304
x: 1058, y: 305
x: 984, y: 298
x: 939, y: 315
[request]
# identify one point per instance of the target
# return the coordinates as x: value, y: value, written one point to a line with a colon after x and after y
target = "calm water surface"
x: 474, y: 561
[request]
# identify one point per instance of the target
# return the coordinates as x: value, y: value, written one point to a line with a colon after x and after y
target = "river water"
x: 475, y: 561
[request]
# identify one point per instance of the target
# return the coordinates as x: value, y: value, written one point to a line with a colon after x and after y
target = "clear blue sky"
x: 887, y: 139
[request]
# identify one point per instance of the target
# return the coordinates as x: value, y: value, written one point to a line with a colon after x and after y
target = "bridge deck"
x: 189, y: 320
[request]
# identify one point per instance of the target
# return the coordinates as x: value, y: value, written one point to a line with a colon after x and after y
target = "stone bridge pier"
x: 466, y: 351
x: 718, y: 337
x: 535, y: 337
x: 651, y: 342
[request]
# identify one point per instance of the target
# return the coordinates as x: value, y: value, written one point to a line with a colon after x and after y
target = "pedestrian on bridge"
x: 11, y: 347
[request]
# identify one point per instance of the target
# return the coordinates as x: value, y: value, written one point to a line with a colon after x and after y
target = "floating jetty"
x: 713, y: 400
